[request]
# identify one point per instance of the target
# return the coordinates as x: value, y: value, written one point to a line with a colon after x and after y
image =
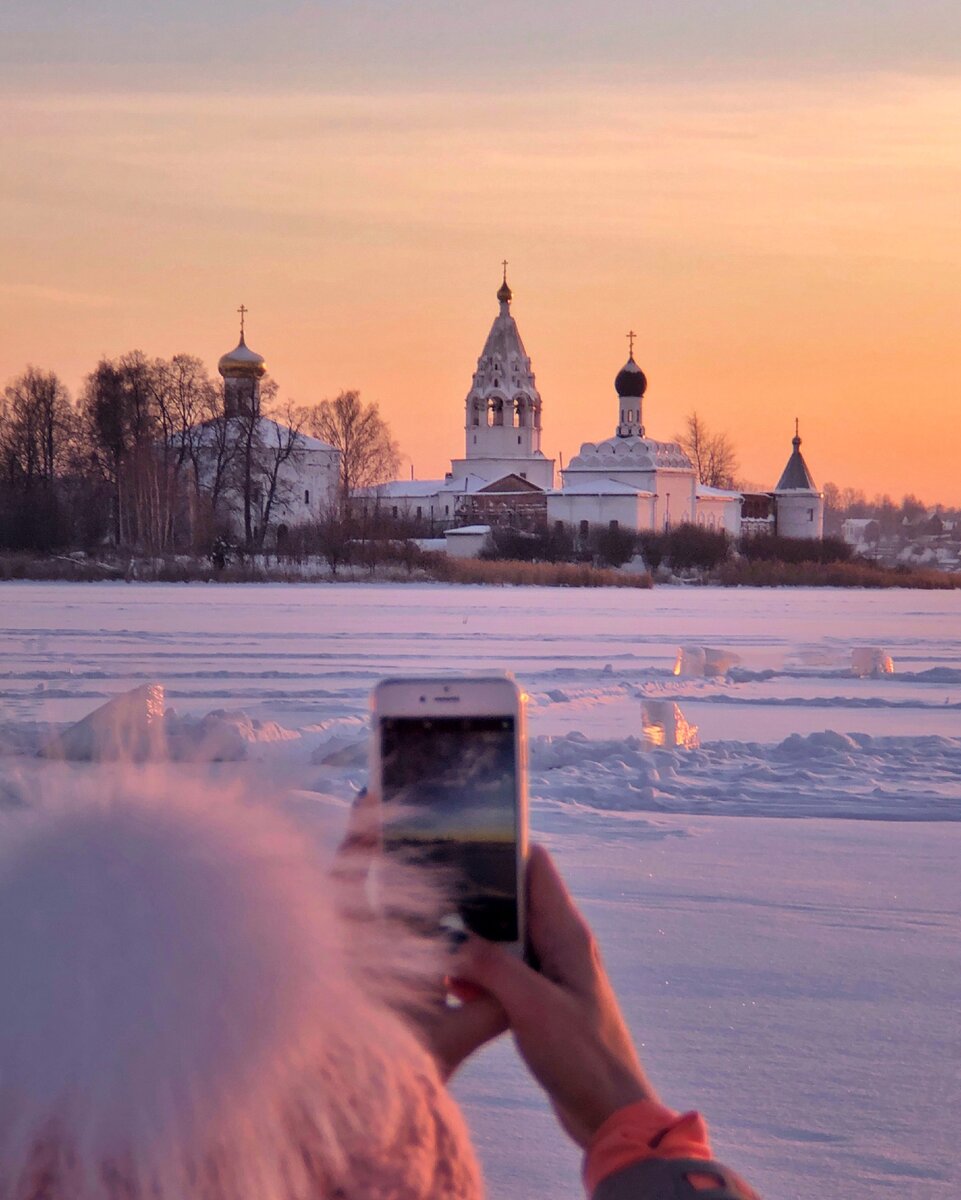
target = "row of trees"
x: 147, y: 459
x: 680, y: 548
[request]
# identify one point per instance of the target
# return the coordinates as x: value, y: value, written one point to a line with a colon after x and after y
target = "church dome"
x: 504, y: 294
x: 242, y: 361
x: 631, y: 380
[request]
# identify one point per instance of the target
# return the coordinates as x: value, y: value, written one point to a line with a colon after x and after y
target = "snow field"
x: 797, y: 979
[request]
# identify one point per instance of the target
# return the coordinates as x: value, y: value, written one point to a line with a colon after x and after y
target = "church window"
x: 420, y: 511
x: 306, y: 496
x: 393, y: 510
x: 518, y: 439
x: 613, y: 526
x: 446, y: 510
x: 585, y: 528
x: 810, y: 514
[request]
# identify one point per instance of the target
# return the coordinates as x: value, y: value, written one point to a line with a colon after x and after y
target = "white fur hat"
x: 187, y: 1012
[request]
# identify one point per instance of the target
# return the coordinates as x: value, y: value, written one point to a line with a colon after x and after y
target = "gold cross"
x: 630, y: 341
x: 243, y: 310
x: 504, y: 265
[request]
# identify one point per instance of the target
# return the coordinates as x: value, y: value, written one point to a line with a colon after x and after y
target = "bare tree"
x: 368, y: 453
x: 37, y: 427
x: 196, y: 447
x: 713, y: 455
x: 261, y: 445
x: 280, y: 440
x: 124, y: 436
x: 37, y: 440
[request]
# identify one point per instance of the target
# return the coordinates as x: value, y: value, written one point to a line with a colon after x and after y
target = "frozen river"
x: 791, y: 967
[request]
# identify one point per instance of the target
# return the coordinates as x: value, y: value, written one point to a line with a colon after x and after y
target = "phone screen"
x: 450, y: 796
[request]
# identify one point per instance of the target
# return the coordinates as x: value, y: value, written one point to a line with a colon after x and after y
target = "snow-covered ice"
x: 780, y: 907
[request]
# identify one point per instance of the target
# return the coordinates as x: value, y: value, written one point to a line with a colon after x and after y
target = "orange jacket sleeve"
x: 641, y: 1131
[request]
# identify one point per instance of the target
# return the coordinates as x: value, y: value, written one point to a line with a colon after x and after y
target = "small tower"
x: 798, y: 505
x: 242, y: 370
x: 503, y: 407
x: 630, y: 385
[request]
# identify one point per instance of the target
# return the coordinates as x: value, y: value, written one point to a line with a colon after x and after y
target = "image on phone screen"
x: 450, y: 800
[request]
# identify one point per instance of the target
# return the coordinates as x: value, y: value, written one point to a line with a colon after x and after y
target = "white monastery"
x: 628, y: 480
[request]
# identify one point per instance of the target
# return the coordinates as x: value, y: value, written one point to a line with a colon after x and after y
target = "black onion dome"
x: 504, y: 294
x: 631, y: 380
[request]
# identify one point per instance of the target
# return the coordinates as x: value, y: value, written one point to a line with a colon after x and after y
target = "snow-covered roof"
x: 599, y: 487
x: 401, y: 489
x: 709, y: 493
x: 630, y: 454
x: 473, y: 530
x: 270, y: 433
x: 466, y: 484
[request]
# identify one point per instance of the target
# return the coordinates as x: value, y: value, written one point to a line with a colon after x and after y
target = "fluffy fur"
x: 191, y: 1007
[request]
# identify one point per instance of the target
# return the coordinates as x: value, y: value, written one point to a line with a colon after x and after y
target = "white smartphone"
x: 449, y: 762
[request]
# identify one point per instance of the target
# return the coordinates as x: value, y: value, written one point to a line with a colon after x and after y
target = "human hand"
x: 565, y: 1019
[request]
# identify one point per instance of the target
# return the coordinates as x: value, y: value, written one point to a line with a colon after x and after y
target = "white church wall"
x: 306, y: 486
x: 629, y: 511
x: 676, y: 498
x: 537, y: 470
x: 720, y: 512
x: 800, y: 515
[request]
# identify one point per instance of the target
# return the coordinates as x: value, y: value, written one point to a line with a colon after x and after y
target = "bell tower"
x: 503, y: 407
x: 502, y: 411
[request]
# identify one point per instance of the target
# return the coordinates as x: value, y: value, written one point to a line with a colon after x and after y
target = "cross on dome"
x: 630, y: 341
x: 504, y: 293
x: 243, y: 310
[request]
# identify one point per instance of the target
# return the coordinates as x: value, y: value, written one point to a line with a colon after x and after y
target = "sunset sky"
x: 768, y: 193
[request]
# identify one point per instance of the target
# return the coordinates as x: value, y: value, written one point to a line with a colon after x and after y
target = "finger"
x: 559, y: 934
x: 462, y: 990
x: 522, y: 992
x: 361, y: 839
x: 458, y: 1032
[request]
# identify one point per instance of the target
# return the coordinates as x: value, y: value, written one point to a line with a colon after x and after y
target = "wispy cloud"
x: 36, y: 293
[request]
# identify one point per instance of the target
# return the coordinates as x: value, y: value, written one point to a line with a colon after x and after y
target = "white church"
x: 293, y: 477
x: 628, y: 480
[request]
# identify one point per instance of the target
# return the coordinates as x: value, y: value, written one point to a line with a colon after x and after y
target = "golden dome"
x: 242, y: 361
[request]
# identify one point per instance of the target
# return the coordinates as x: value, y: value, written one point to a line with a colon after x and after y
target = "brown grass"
x: 841, y: 574
x: 507, y: 571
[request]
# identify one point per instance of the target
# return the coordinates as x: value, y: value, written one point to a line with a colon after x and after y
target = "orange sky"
x: 781, y: 248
